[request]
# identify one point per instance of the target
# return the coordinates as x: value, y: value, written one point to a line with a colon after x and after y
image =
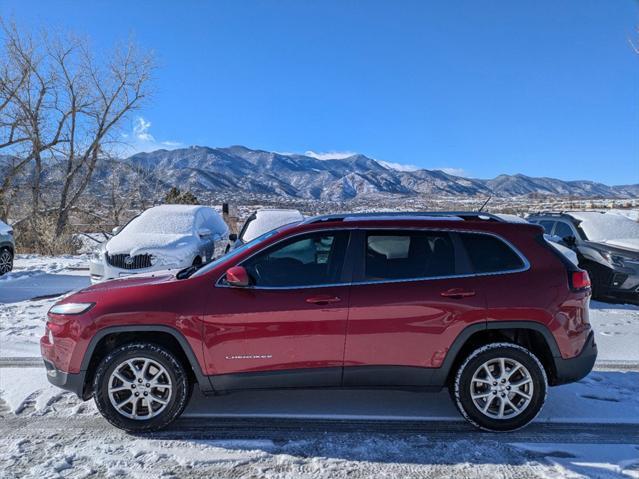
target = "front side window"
x: 563, y: 230
x: 408, y: 255
x: 309, y: 260
x: 547, y: 226
x: 489, y: 254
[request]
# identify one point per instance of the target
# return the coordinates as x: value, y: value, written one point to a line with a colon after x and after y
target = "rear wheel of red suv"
x: 141, y: 387
x: 500, y: 387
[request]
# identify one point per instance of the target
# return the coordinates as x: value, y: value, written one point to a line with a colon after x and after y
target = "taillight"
x: 579, y: 280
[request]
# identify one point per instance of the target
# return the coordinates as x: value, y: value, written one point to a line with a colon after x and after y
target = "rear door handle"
x: 457, y: 293
x: 323, y: 299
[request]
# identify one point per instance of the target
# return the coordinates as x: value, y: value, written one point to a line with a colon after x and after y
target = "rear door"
x: 412, y: 294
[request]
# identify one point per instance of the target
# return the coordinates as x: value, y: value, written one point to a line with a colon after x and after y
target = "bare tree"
x: 60, y: 112
x: 99, y: 97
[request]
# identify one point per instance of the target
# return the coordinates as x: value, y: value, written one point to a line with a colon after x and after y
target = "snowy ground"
x: 588, y: 429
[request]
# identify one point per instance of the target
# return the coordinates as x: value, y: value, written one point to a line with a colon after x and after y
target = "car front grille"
x: 125, y: 261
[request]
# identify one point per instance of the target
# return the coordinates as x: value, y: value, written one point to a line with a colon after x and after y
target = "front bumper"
x: 67, y: 381
x: 574, y: 369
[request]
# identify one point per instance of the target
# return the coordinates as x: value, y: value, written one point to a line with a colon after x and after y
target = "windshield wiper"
x: 187, y: 272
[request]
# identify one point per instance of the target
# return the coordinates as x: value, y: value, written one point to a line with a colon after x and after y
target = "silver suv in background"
x: 607, y: 246
x: 7, y: 248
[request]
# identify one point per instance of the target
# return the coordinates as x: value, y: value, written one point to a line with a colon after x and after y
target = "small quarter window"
x: 489, y: 254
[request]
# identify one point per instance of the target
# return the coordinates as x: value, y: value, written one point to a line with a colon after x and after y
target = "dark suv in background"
x: 7, y: 248
x: 607, y: 246
x: 486, y: 308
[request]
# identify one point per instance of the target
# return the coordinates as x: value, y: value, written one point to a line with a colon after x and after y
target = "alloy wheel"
x: 501, y: 388
x: 139, y: 388
x: 6, y: 261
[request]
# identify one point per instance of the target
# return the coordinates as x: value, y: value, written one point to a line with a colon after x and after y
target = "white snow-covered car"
x: 262, y: 221
x: 163, y: 237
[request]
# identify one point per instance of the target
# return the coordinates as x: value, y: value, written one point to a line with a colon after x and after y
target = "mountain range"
x: 242, y: 170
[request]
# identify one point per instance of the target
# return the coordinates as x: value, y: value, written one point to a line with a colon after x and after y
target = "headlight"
x: 614, y: 259
x: 98, y: 253
x: 71, y: 308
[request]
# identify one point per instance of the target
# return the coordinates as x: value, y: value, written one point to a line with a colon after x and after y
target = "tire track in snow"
x: 285, y: 428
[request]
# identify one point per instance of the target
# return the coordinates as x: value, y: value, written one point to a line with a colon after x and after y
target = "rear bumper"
x: 67, y: 381
x: 574, y: 369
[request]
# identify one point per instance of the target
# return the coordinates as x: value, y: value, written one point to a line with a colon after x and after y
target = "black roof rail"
x: 464, y: 215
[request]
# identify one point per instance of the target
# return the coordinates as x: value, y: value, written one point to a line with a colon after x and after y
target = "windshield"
x: 602, y: 227
x: 159, y: 224
x: 233, y: 253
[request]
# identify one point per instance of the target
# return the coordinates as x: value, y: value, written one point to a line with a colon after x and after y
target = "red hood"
x: 148, y: 279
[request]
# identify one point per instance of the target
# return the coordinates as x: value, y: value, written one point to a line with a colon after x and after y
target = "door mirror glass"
x: 232, y: 237
x: 569, y: 240
x: 237, y: 276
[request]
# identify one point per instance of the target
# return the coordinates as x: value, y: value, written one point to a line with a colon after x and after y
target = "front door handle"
x: 457, y: 293
x: 323, y: 299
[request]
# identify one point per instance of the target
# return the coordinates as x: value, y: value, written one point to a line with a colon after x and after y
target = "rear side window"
x: 408, y: 255
x: 489, y: 254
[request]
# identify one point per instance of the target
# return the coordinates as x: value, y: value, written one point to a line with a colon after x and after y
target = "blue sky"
x: 543, y: 88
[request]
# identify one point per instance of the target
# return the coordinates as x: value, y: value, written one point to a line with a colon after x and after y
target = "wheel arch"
x: 536, y: 337
x: 108, y: 338
x: 8, y: 245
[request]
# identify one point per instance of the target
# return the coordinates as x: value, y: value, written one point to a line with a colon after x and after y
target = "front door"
x: 287, y: 329
x: 410, y: 298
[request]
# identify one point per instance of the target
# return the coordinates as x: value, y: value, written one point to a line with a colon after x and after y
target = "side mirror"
x: 237, y: 276
x: 570, y: 240
x: 204, y: 232
x: 233, y: 237
x: 115, y: 230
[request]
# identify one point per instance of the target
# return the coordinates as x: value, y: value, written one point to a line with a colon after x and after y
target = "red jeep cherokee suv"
x: 416, y: 301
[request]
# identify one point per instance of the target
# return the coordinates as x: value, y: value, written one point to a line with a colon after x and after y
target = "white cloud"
x: 330, y: 155
x: 453, y: 171
x: 398, y: 166
x: 141, y: 129
x: 140, y: 139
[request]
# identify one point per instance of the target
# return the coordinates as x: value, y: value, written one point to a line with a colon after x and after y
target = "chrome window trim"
x: 525, y: 267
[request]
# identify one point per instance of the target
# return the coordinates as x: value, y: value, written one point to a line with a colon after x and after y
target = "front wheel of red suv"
x: 141, y: 387
x: 500, y: 387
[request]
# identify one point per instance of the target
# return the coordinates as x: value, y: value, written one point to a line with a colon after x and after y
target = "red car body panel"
x: 263, y: 329
x: 405, y: 323
x: 408, y: 323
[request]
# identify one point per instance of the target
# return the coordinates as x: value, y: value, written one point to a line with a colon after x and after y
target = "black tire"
x: 177, y: 398
x: 6, y: 260
x: 461, y: 388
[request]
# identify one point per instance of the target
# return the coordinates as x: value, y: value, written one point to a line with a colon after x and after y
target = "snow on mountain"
x: 339, y: 176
